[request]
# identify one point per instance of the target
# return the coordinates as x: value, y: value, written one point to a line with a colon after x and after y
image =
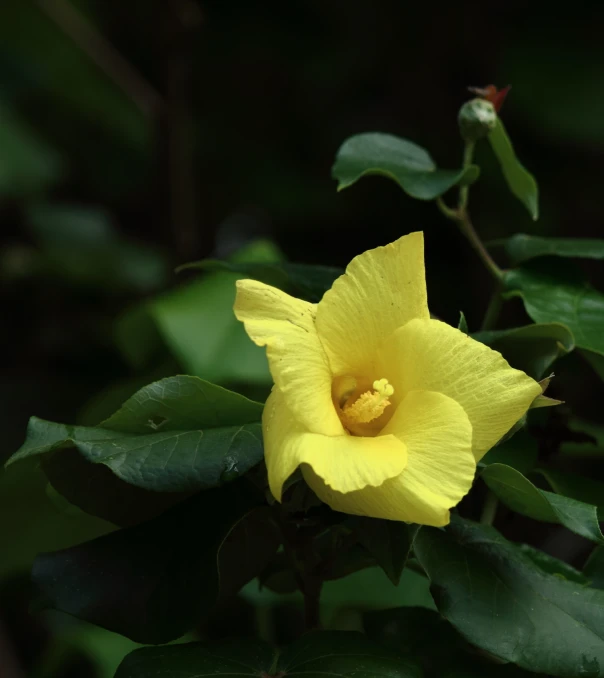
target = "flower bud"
x: 476, y: 119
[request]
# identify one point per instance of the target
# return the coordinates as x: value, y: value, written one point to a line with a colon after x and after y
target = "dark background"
x: 194, y: 128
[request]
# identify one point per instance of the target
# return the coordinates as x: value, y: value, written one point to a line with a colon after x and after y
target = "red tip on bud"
x: 492, y: 94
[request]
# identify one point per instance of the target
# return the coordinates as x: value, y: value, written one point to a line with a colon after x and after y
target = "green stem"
x: 489, y: 510
x: 464, y: 191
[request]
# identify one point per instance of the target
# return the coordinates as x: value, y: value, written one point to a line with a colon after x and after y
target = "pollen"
x: 369, y: 405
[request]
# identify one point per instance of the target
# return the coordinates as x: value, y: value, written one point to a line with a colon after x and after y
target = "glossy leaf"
x: 522, y: 247
x: 519, y: 494
x: 314, y: 655
x: 594, y: 568
x: 532, y: 349
x: 520, y: 182
x: 558, y: 294
x: 503, y: 603
x: 409, y: 165
x: 151, y: 582
x: 389, y: 542
x: 575, y: 486
x: 299, y: 280
x: 176, y: 435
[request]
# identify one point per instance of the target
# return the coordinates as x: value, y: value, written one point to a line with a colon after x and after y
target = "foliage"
x: 167, y: 525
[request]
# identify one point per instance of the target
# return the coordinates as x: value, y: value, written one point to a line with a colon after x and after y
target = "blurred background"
x: 137, y: 136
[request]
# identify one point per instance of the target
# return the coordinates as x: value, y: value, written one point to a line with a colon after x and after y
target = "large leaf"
x: 176, y: 435
x: 398, y: 159
x: 532, y: 349
x: 389, y: 542
x: 300, y: 280
x: 502, y: 602
x: 154, y: 581
x: 519, y: 494
x: 522, y: 247
x: 559, y: 295
x: 520, y: 182
x: 197, y: 323
x: 315, y: 655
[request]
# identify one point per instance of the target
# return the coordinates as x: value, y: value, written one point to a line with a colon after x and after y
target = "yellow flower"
x: 385, y: 410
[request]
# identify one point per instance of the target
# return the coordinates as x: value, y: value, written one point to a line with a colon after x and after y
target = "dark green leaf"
x: 519, y: 494
x: 462, y: 325
x: 553, y: 565
x: 387, y: 541
x: 576, y: 487
x: 398, y: 159
x: 81, y: 246
x: 197, y: 323
x: 315, y: 655
x: 559, y: 295
x: 594, y: 568
x: 151, y: 582
x: 532, y: 349
x: 522, y: 247
x: 519, y: 452
x: 417, y: 631
x: 176, y: 435
x: 520, y: 182
x: 299, y: 280
x: 596, y: 360
x: 500, y: 601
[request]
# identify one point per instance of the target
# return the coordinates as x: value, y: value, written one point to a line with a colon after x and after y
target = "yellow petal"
x: 345, y: 463
x: 430, y: 355
x: 381, y: 290
x: 298, y: 364
x: 440, y: 465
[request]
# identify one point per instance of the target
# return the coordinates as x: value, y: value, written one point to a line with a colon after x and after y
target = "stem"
x: 464, y: 191
x: 489, y: 510
x: 466, y: 227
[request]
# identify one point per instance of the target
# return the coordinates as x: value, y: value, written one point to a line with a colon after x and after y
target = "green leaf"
x: 522, y: 247
x: 576, y: 487
x: 387, y: 541
x: 152, y: 582
x: 315, y: 655
x: 176, y: 435
x: 197, y: 323
x: 398, y: 159
x: 594, y: 568
x: 500, y: 601
x: 519, y: 494
x: 462, y: 325
x: 532, y: 349
x: 519, y: 452
x: 559, y: 295
x: 81, y: 246
x: 300, y: 280
x: 553, y: 565
x: 27, y: 164
x: 520, y: 182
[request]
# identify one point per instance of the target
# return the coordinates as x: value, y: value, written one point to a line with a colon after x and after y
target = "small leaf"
x: 520, y: 182
x: 300, y: 280
x: 176, y: 435
x: 519, y: 494
x: 152, y: 582
x: 559, y: 294
x: 387, y: 541
x: 315, y: 655
x: 462, y: 325
x: 533, y: 348
x: 502, y: 602
x: 522, y: 247
x: 398, y: 159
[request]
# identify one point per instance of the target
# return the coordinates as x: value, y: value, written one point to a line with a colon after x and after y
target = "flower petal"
x: 298, y: 364
x: 345, y: 463
x: 440, y: 465
x: 381, y: 290
x: 430, y: 355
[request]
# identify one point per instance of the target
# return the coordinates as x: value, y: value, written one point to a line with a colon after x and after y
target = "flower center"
x: 369, y: 405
